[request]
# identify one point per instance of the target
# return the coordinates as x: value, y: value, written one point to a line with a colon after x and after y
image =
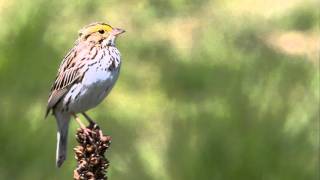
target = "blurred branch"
x: 91, y: 162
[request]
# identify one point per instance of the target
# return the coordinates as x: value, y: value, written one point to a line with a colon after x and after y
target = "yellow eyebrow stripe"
x: 95, y: 28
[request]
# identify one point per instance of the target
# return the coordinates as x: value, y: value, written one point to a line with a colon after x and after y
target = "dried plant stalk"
x: 91, y: 162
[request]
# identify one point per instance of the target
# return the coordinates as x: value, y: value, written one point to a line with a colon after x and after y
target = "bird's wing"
x: 71, y: 70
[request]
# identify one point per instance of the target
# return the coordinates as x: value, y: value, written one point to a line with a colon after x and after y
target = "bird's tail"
x: 62, y: 136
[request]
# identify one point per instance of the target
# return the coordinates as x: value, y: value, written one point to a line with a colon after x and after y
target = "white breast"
x: 96, y: 83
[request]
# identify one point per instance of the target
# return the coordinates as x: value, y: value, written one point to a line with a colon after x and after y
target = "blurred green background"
x: 209, y: 90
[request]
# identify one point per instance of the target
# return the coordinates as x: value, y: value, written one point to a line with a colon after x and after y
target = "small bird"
x: 85, y: 77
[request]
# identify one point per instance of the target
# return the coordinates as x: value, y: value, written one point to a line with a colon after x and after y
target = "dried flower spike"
x: 91, y: 162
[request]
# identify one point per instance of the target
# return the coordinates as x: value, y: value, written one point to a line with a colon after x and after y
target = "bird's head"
x: 100, y: 31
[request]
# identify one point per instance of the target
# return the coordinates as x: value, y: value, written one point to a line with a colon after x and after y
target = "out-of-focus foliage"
x: 208, y: 90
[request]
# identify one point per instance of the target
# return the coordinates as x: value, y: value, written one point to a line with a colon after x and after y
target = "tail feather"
x: 62, y: 136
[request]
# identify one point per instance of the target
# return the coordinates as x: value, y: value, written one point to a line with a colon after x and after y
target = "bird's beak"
x: 117, y: 31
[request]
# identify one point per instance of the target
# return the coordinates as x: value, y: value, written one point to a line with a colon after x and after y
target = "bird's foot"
x: 87, y: 131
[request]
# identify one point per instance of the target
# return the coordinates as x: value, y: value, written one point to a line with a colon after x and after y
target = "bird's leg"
x: 88, y: 118
x: 82, y: 126
x: 78, y: 121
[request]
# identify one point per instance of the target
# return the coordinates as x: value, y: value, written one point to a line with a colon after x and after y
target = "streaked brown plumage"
x: 85, y: 77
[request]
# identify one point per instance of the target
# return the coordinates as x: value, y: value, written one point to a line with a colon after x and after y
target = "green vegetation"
x: 209, y: 90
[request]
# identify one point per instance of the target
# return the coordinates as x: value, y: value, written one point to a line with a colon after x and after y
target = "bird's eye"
x: 101, y: 31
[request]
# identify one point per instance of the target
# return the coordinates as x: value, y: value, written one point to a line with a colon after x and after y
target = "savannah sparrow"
x: 85, y: 77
